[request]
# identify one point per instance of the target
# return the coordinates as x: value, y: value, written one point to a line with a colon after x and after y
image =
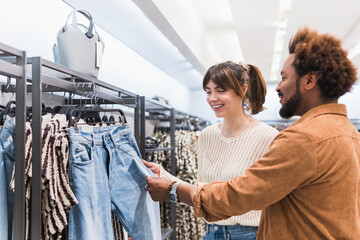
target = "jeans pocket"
x: 81, y: 154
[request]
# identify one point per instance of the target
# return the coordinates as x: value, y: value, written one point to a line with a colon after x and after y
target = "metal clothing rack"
x: 13, y: 65
x: 47, y: 76
x: 165, y: 113
x: 70, y: 84
x: 153, y: 106
x: 38, y: 75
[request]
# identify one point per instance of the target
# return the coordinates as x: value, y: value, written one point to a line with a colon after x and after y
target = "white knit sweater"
x: 222, y: 158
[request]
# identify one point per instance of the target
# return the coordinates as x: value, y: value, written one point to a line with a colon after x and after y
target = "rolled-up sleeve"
x: 290, y: 161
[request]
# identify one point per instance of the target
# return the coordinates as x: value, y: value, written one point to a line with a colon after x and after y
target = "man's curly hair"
x: 323, y: 54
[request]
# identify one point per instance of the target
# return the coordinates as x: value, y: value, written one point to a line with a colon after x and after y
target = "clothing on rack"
x: 57, y: 196
x: 187, y: 226
x: 106, y: 174
x: 119, y: 232
x: 3, y: 198
x: 7, y: 137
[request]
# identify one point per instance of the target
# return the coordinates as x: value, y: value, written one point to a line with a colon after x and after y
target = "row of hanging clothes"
x: 93, y: 180
x: 186, y: 133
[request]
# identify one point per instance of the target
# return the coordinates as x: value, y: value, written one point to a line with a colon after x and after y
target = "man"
x: 308, y: 183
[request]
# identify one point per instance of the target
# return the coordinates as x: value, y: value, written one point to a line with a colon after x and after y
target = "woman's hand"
x: 158, y: 188
x: 155, y: 168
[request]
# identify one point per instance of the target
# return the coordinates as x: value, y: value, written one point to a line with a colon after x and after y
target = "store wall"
x: 352, y: 101
x: 33, y: 25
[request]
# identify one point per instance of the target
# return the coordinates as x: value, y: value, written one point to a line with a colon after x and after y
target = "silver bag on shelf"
x: 79, y: 47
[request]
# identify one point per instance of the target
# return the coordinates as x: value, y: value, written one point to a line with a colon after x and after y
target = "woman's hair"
x: 230, y: 75
x: 323, y: 54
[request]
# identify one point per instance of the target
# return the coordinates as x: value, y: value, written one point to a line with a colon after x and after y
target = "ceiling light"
x: 284, y: 13
x: 354, y: 51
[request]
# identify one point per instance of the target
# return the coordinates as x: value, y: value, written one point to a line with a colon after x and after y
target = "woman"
x: 228, y: 148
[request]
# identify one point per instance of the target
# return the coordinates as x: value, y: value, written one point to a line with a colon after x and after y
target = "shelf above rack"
x: 157, y: 149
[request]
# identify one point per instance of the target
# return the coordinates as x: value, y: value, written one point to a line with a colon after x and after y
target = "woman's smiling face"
x: 225, y: 103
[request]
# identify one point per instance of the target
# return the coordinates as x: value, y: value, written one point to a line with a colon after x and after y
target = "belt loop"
x: 93, y: 139
x: 225, y: 233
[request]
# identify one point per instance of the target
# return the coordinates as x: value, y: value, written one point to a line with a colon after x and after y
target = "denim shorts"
x: 230, y: 232
x: 107, y: 175
x: 7, y: 137
x: 3, y: 200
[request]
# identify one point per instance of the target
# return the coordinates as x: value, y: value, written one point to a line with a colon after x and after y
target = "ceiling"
x: 186, y: 37
x: 246, y: 29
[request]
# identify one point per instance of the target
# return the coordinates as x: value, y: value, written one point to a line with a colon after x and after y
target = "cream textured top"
x: 222, y: 158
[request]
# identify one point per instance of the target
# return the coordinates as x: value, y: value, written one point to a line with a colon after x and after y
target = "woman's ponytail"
x: 257, y: 90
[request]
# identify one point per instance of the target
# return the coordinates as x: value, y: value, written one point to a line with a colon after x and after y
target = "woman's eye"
x: 208, y: 93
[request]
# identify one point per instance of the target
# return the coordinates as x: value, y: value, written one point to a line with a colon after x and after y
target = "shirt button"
x: 216, y: 228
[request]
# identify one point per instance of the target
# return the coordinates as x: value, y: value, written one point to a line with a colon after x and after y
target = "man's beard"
x: 291, y: 106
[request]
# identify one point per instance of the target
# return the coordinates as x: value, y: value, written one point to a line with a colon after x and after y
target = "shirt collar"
x: 331, y: 108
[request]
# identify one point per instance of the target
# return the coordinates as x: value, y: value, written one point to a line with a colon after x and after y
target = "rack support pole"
x: 173, y: 171
x: 36, y: 151
x: 19, y: 195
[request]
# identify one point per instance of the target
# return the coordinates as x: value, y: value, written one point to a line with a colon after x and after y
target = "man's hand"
x: 155, y: 168
x: 158, y: 188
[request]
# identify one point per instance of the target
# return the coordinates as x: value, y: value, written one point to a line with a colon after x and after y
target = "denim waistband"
x: 9, y: 124
x: 97, y: 134
x: 215, y: 227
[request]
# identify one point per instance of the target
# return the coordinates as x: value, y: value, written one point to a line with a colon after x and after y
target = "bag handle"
x: 89, y: 32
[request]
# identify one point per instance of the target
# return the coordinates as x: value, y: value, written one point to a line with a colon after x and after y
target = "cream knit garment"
x: 222, y: 158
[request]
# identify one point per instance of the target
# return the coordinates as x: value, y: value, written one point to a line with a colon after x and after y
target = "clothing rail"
x: 39, y: 78
x: 38, y: 75
x: 193, y: 119
x: 163, y: 112
x: 153, y: 106
x: 17, y: 69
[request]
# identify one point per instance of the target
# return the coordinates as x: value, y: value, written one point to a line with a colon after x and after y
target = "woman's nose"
x: 213, y: 97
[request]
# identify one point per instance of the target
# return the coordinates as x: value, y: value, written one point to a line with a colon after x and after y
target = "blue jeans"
x: 7, y: 137
x: 230, y: 232
x: 106, y: 174
x: 3, y: 200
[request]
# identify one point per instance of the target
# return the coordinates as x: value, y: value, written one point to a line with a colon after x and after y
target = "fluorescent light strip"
x: 354, y: 51
x: 284, y: 13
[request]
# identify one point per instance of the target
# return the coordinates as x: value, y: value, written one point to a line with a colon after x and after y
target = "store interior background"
x: 163, y: 47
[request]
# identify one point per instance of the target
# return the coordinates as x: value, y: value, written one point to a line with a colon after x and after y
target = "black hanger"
x: 105, y: 119
x: 56, y: 109
x: 96, y: 110
x: 5, y: 111
x: 47, y: 110
x: 111, y: 119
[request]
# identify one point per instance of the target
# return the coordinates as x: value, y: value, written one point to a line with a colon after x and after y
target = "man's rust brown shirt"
x: 307, y: 184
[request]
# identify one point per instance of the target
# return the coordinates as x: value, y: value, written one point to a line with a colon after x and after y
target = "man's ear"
x: 311, y: 80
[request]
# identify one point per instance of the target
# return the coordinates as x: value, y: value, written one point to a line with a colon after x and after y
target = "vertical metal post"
x: 173, y: 171
x: 137, y: 119
x: 142, y: 126
x: 36, y: 151
x: 19, y: 195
